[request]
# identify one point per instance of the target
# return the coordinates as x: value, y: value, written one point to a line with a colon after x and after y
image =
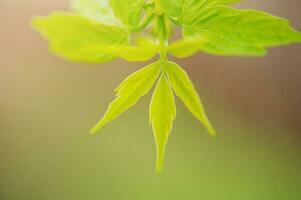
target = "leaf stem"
x: 163, y: 39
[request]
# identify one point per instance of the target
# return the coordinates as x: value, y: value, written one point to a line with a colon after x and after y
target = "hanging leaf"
x: 162, y: 115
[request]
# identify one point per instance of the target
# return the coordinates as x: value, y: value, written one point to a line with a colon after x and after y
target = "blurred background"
x: 47, y: 106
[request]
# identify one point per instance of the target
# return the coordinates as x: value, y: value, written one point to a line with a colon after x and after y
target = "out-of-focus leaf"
x: 134, y: 53
x: 128, y: 11
x: 96, y: 10
x: 186, y: 47
x: 231, y: 31
x: 181, y: 10
x: 78, y: 39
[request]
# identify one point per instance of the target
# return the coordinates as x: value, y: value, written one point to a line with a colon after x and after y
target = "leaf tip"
x: 93, y: 131
x: 212, y: 131
x: 159, y: 164
x: 161, y: 147
x: 35, y: 22
x: 96, y: 128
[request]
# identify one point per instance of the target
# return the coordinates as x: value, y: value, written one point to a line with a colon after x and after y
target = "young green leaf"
x: 129, y: 92
x: 230, y: 31
x: 185, y: 90
x: 186, y: 47
x: 77, y: 38
x: 162, y: 115
x: 218, y: 45
x: 182, y: 10
x: 128, y: 11
x: 191, y: 45
x: 96, y: 10
x: 100, y: 30
x: 134, y: 53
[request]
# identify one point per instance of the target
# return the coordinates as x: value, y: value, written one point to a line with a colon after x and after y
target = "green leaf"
x: 128, y: 11
x: 96, y: 10
x: 182, y: 10
x: 186, y: 47
x: 78, y: 39
x: 218, y: 45
x: 144, y: 48
x: 185, y: 90
x: 134, y: 53
x: 162, y: 115
x: 129, y: 92
x: 231, y: 31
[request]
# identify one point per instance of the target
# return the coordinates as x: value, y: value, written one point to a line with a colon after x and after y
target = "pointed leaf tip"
x: 96, y: 128
x: 161, y: 146
x: 185, y: 90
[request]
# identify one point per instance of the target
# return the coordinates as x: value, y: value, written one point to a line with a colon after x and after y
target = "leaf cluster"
x: 98, y: 31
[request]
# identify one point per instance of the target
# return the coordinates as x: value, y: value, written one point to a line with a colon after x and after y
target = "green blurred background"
x: 47, y: 106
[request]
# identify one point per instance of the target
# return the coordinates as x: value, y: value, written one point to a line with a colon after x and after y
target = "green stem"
x: 162, y: 33
x: 163, y: 39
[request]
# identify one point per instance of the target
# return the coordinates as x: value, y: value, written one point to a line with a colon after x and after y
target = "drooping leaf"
x: 162, y: 115
x: 129, y: 92
x: 185, y: 90
x: 231, y: 31
x: 78, y: 39
x: 96, y: 10
x: 128, y: 11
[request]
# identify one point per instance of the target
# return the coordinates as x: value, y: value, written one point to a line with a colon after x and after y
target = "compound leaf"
x: 231, y: 31
x: 128, y: 11
x: 96, y: 10
x: 129, y: 92
x: 162, y: 115
x: 78, y: 39
x: 185, y: 90
x: 180, y: 10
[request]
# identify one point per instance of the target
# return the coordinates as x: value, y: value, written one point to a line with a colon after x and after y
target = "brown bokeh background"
x: 47, y: 106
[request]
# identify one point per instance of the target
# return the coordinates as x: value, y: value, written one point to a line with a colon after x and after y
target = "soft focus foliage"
x: 100, y: 30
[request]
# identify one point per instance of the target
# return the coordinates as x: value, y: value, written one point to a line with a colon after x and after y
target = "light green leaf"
x: 186, y: 47
x: 78, y: 39
x: 212, y: 45
x: 183, y: 10
x: 145, y: 41
x: 128, y: 11
x: 162, y: 115
x: 230, y: 31
x: 218, y: 45
x: 222, y: 2
x: 134, y: 53
x: 185, y: 90
x: 129, y: 92
x: 96, y: 10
